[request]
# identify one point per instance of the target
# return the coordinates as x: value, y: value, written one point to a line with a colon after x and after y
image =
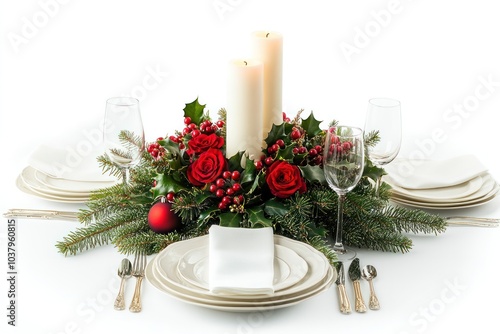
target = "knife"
x: 41, y: 214
x: 345, y: 306
x: 355, y: 276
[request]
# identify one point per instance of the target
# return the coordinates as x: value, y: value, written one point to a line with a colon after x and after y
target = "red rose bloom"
x: 284, y: 179
x: 202, y: 142
x: 207, y: 168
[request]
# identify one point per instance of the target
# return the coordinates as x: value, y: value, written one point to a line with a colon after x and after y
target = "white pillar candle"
x: 244, y: 108
x: 268, y: 48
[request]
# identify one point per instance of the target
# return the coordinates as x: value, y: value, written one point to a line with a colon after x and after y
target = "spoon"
x: 369, y: 272
x: 124, y: 271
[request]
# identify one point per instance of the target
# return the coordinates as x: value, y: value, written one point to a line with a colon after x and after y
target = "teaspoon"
x: 369, y: 272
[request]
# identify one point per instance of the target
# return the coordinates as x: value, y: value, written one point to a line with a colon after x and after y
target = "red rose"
x: 202, y: 142
x: 207, y: 168
x: 284, y: 179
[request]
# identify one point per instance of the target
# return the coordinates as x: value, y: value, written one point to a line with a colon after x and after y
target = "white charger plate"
x: 289, y: 268
x: 26, y: 189
x: 69, y: 186
x: 28, y: 176
x: 234, y: 306
x: 166, y: 262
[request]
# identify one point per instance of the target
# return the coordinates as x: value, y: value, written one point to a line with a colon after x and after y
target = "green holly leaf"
x: 206, y: 215
x: 277, y: 132
x: 311, y: 126
x: 166, y: 183
x: 248, y: 174
x: 313, y: 173
x: 230, y: 219
x: 234, y: 162
x: 373, y: 172
x: 194, y: 110
x: 257, y: 218
x: 274, y: 207
x: 286, y: 153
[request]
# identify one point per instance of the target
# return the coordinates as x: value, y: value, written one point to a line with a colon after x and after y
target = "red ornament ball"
x: 162, y: 219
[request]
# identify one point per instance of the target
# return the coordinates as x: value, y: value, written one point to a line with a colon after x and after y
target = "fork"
x: 138, y: 272
x: 472, y: 221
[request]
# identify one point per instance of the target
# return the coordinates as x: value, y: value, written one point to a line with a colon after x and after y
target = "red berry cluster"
x: 156, y: 150
x: 339, y: 148
x: 228, y: 189
x: 192, y: 129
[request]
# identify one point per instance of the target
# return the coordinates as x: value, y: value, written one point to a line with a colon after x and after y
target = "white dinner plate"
x: 289, y: 268
x: 166, y: 262
x: 234, y: 305
x: 486, y: 188
x: 26, y: 189
x: 445, y: 193
x: 28, y: 176
x: 66, y: 185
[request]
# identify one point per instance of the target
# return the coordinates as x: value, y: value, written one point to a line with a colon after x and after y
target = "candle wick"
x: 267, y: 35
x: 245, y: 62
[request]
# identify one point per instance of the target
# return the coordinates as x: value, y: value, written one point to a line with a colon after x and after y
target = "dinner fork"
x: 138, y: 272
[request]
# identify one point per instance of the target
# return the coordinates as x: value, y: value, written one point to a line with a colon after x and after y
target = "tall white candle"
x: 268, y: 48
x: 244, y: 108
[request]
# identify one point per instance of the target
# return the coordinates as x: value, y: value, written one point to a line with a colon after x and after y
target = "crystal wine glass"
x: 343, y: 163
x: 384, y: 116
x: 123, y: 119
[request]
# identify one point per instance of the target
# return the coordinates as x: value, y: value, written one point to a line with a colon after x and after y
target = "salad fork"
x: 138, y: 272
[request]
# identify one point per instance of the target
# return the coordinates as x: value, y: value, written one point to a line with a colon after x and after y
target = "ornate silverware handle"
x: 136, y: 306
x: 359, y: 304
x: 373, y: 303
x: 120, y: 299
x: 345, y: 306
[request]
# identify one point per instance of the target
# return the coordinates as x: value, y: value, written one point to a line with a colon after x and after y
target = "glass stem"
x: 125, y: 176
x: 339, y: 246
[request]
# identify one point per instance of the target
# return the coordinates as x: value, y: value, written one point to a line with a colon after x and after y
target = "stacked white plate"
x: 181, y: 271
x: 37, y: 183
x: 473, y: 185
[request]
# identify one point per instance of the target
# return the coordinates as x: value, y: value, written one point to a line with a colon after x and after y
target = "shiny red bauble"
x: 162, y: 219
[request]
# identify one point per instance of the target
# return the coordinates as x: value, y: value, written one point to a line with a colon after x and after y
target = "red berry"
x: 182, y: 146
x: 213, y: 188
x: 313, y: 152
x: 220, y: 124
x: 159, y: 138
x: 302, y: 150
x: 280, y: 143
x: 174, y: 139
x: 222, y: 206
x: 226, y: 175
x: 195, y: 133
x: 295, y: 150
x: 185, y: 131
x: 220, y: 183
x: 275, y: 147
x: 192, y: 126
x: 230, y: 191
x: 170, y: 196
x: 258, y: 165
x: 235, y: 175
x: 295, y: 134
x: 220, y: 193
x: 227, y: 200
x: 269, y: 161
x: 236, y: 187
x: 187, y: 120
x: 318, y: 148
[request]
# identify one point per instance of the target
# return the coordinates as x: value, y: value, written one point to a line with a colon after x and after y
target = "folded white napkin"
x: 428, y: 174
x: 73, y: 155
x: 241, y: 260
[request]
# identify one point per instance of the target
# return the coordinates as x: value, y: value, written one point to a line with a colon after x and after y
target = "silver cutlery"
x: 138, y: 272
x: 124, y: 271
x: 369, y: 273
x: 355, y: 276
x: 472, y: 221
x: 42, y: 214
x: 345, y: 306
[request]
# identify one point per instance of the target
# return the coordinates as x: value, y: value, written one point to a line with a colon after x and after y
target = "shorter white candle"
x: 244, y: 108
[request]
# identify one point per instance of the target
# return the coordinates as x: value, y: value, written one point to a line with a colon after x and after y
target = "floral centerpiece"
x: 185, y: 183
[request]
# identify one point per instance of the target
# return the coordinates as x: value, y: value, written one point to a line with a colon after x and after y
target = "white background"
x: 60, y: 61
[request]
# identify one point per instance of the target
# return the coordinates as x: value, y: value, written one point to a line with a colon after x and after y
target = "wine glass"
x: 384, y: 116
x: 343, y: 163
x: 123, y: 119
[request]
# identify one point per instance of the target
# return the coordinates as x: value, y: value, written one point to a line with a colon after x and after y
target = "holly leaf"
x: 311, y: 125
x: 205, y: 215
x: 313, y: 173
x: 277, y: 132
x: 234, y: 163
x: 373, y: 172
x: 166, y: 183
x: 248, y: 174
x: 194, y: 110
x: 285, y: 153
x: 274, y: 207
x: 230, y: 219
x: 257, y: 218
